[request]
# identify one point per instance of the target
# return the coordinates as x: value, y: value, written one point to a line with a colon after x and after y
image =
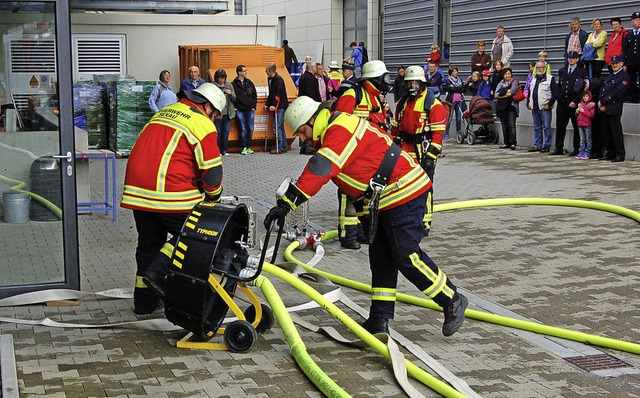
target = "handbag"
x: 589, y: 53
x: 519, y: 95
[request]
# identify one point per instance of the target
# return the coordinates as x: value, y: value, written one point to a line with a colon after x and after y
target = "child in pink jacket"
x: 585, y: 112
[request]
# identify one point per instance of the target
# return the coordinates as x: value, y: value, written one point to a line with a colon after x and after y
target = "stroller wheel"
x: 471, y: 138
x: 460, y: 137
x: 267, y: 320
x: 494, y: 136
x: 240, y: 336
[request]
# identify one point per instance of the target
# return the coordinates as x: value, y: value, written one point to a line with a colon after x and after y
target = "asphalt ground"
x: 568, y: 267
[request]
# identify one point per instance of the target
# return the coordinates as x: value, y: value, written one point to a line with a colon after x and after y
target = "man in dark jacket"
x: 612, y: 96
x: 246, y: 101
x: 480, y: 60
x: 570, y: 82
x: 631, y: 54
x: 289, y: 55
x: 277, y: 102
x: 434, y: 78
x: 308, y: 85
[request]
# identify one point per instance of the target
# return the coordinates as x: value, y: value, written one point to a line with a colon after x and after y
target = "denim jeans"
x: 457, y: 110
x: 279, y: 130
x: 585, y: 140
x: 245, y: 122
x: 508, y: 121
x: 223, y: 126
x: 542, y: 128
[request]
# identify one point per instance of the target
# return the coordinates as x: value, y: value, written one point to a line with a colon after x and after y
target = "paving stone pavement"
x: 562, y: 266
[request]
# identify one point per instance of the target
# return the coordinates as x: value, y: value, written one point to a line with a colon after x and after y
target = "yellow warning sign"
x: 34, y: 81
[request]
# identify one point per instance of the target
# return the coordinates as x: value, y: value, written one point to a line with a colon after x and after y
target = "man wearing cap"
x: 631, y: 53
x: 362, y: 100
x: 174, y: 163
x: 570, y: 82
x: 612, y: 96
x: 390, y: 190
x: 348, y: 78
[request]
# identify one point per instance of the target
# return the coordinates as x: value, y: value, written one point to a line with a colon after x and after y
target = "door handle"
x: 67, y: 156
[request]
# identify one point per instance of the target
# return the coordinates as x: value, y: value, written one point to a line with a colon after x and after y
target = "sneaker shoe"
x: 244, y: 151
x: 376, y: 325
x: 454, y: 314
x: 225, y: 154
x: 274, y: 152
x: 446, y: 138
x: 249, y: 151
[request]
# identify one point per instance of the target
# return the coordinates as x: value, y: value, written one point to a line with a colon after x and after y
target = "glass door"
x: 38, y: 225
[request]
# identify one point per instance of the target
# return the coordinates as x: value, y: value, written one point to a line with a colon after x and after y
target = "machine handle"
x: 264, y: 249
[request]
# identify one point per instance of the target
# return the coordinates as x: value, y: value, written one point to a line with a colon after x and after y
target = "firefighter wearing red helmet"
x: 390, y: 190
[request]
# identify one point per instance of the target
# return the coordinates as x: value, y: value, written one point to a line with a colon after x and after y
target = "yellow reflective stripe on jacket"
x: 166, y: 158
x: 173, y: 196
x: 160, y: 204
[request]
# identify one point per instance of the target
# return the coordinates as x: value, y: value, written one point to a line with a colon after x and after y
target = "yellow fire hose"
x: 483, y: 316
x: 299, y: 352
x: 297, y: 347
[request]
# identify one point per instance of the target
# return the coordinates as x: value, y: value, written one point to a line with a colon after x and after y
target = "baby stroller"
x: 480, y: 113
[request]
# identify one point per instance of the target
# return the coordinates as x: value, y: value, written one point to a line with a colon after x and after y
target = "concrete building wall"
x: 312, y: 27
x: 152, y: 40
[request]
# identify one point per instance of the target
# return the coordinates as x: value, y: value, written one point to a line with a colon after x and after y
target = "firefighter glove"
x: 277, y: 213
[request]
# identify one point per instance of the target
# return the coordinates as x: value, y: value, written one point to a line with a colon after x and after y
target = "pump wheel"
x: 267, y: 320
x: 240, y: 336
x: 471, y: 138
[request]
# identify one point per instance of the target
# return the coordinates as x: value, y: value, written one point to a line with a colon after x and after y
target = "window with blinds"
x: 98, y: 54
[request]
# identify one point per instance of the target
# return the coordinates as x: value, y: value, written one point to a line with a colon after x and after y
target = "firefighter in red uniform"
x: 419, y: 124
x: 361, y: 100
x: 172, y: 164
x: 390, y: 187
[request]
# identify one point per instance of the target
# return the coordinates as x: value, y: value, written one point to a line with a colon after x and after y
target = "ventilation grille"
x: 99, y: 56
x: 33, y: 56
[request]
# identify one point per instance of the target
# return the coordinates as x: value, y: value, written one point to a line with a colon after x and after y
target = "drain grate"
x: 592, y: 363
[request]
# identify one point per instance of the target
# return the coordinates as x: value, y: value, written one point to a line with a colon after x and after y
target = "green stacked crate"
x: 132, y: 111
x: 96, y: 118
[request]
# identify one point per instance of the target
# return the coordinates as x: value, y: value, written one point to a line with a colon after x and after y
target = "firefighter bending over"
x: 172, y: 164
x: 390, y: 190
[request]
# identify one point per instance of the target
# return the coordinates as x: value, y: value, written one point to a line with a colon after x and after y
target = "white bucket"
x: 15, y: 207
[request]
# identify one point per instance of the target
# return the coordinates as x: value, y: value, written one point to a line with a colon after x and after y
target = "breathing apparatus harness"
x: 422, y: 139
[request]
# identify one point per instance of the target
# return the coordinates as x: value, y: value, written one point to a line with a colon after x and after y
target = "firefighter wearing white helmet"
x: 389, y: 189
x: 419, y: 124
x: 362, y: 100
x: 174, y: 164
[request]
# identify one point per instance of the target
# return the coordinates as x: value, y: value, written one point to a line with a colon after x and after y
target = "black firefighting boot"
x: 454, y: 314
x: 376, y: 325
x: 361, y: 236
x: 155, y: 275
x: 350, y: 238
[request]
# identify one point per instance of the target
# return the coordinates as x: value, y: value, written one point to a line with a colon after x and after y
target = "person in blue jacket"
x: 162, y: 94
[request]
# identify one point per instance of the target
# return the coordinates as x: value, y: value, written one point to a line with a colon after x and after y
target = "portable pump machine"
x: 209, y: 262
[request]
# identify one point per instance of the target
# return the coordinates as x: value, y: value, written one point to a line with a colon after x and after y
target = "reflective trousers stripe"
x: 383, y: 294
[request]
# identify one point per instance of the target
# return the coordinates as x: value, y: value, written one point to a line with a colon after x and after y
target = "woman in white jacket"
x: 502, y: 48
